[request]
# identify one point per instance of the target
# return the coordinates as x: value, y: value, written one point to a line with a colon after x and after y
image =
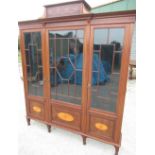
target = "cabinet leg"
x: 130, y: 73
x: 28, y: 121
x: 49, y: 128
x: 116, y: 150
x: 84, y: 140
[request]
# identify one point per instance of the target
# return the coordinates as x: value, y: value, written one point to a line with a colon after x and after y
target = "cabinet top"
x: 81, y: 17
x: 72, y: 2
x: 66, y: 9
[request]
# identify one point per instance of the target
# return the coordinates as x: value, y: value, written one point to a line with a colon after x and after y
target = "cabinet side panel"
x: 123, y: 79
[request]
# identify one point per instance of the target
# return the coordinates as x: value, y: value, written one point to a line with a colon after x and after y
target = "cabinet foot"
x: 116, y: 150
x: 84, y: 140
x: 49, y: 128
x: 28, y: 121
x: 130, y: 73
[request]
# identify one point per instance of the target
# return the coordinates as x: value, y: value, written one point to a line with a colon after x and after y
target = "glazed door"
x: 104, y: 79
x: 66, y: 57
x: 32, y: 53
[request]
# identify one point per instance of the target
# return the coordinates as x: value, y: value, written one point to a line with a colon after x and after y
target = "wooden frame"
x: 45, y: 109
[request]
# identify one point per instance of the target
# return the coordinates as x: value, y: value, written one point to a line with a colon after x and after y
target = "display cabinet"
x: 75, y: 70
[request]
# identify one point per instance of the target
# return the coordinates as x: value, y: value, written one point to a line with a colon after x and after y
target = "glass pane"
x: 27, y: 40
x: 34, y: 66
x: 66, y: 65
x: 108, y: 44
x: 62, y: 34
x: 79, y: 34
x: 101, y: 36
x: 36, y: 39
x: 115, y: 36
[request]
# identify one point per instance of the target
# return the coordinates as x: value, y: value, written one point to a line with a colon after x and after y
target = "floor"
x: 35, y: 140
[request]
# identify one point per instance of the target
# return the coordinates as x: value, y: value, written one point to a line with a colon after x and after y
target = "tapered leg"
x: 84, y: 140
x: 49, y: 128
x: 28, y: 121
x: 130, y: 73
x: 116, y: 150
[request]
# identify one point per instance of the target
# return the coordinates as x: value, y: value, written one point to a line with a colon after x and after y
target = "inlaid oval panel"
x: 65, y: 116
x: 36, y: 109
x: 101, y: 126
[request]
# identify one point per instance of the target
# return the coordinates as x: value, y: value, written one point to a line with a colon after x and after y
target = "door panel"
x: 66, y: 65
x: 66, y: 116
x: 37, y: 109
x: 105, y: 69
x: 34, y: 66
x: 104, y: 77
x: 101, y: 127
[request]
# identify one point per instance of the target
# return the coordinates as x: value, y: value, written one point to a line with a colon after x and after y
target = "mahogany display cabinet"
x: 75, y: 70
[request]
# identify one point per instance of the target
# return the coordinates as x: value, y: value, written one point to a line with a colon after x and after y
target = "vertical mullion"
x: 37, y: 73
x: 35, y: 67
x: 68, y: 46
x: 28, y: 69
x: 55, y: 67
x: 37, y: 59
x: 75, y: 67
x: 49, y: 60
x: 98, y: 89
x: 40, y: 63
x: 30, y: 53
x: 30, y: 65
x: 61, y: 54
x: 113, y: 59
x: 68, y: 79
x: 33, y: 91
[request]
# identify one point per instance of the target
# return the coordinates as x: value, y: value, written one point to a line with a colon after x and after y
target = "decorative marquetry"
x: 36, y: 109
x: 65, y: 117
x: 101, y: 126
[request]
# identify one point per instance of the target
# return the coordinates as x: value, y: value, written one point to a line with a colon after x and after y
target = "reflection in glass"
x: 101, y: 36
x: 108, y: 44
x: 34, y: 66
x: 66, y: 65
